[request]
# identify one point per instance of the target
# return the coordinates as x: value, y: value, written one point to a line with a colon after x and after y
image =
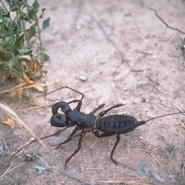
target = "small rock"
x: 78, y: 26
x: 82, y: 168
x: 83, y: 78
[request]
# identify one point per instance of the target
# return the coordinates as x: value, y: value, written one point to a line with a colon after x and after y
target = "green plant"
x: 21, y: 50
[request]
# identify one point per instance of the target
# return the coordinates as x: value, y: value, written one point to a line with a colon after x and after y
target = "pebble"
x: 83, y: 78
x: 82, y: 168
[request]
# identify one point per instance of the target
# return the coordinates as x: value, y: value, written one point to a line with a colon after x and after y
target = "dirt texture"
x: 113, y: 52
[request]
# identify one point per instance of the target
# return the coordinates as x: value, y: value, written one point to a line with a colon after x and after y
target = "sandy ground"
x: 126, y: 55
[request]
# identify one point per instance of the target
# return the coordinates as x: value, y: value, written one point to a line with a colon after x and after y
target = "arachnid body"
x: 101, y: 125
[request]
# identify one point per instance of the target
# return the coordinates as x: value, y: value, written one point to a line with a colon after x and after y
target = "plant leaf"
x: 35, y: 6
x: 11, y: 63
x: 25, y: 51
x: 39, y: 87
x: 32, y: 31
x: 19, y: 42
x: 9, y: 122
x: 45, y: 24
x: 41, y: 16
x: 27, y: 81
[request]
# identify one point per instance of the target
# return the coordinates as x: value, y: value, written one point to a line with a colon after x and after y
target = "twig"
x: 79, y: 6
x: 14, y: 116
x: 158, y: 161
x: 126, y: 182
x: 182, y: 111
x: 13, y: 89
x: 80, y: 180
x: 182, y: 124
x: 6, y: 145
x: 35, y: 107
x: 45, y: 181
x: 131, y: 168
x: 166, y: 105
x: 7, y: 171
x: 109, y: 39
x: 157, y: 15
x: 114, y: 178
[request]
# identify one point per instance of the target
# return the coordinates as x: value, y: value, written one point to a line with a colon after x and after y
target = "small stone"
x: 154, y: 56
x: 83, y: 78
x: 78, y: 26
x: 82, y: 168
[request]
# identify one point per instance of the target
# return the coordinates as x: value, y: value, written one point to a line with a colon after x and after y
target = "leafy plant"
x: 21, y: 49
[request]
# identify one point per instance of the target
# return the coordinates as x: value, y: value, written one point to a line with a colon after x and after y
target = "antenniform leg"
x: 79, y: 103
x: 35, y: 140
x: 97, y: 134
x: 99, y: 107
x: 79, y: 146
x: 101, y: 114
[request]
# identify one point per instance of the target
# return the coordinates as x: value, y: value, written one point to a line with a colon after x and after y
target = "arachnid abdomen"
x: 117, y: 123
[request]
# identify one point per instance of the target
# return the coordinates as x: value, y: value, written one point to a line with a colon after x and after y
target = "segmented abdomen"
x: 117, y: 123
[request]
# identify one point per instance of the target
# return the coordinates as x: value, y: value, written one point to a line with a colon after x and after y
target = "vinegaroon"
x: 101, y: 126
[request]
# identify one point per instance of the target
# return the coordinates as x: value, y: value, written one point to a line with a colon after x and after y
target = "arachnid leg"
x: 35, y: 140
x: 80, y: 102
x: 99, y: 107
x: 69, y: 138
x: 97, y: 134
x: 79, y: 146
x: 73, y: 101
x: 101, y: 114
x: 111, y: 156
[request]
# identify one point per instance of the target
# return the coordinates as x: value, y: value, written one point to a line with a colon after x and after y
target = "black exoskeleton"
x: 101, y: 125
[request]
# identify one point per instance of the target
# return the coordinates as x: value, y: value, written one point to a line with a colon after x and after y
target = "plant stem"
x: 23, y: 26
x: 39, y: 37
x: 3, y: 5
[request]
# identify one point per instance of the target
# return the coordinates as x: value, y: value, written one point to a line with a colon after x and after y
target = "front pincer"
x: 58, y: 120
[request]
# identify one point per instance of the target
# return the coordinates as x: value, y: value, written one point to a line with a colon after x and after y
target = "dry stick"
x: 9, y: 170
x: 14, y: 116
x: 30, y: 86
x: 45, y: 181
x: 6, y: 145
x: 35, y: 107
x: 126, y: 182
x: 158, y: 161
x: 173, y: 36
x: 79, y: 6
x: 80, y: 180
x: 183, y: 170
x: 182, y: 124
x: 157, y: 15
x: 109, y: 39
